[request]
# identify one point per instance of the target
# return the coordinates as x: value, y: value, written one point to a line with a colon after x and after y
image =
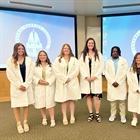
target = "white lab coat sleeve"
x: 83, y: 69
x: 76, y: 69
x: 10, y: 74
x: 131, y: 83
x: 51, y: 80
x: 35, y: 80
x: 122, y: 76
x: 101, y: 66
x: 58, y: 73
x: 110, y: 80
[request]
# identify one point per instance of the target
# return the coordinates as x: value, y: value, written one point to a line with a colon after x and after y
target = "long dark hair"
x: 86, y: 50
x: 15, y: 53
x: 38, y: 62
x: 134, y: 64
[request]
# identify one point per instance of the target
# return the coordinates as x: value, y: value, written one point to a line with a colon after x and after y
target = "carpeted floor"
x: 81, y: 130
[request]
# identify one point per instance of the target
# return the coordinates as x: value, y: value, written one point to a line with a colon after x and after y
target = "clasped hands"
x: 68, y: 80
x: 90, y: 79
x: 138, y: 91
x: 22, y: 88
x: 115, y: 84
x: 42, y: 82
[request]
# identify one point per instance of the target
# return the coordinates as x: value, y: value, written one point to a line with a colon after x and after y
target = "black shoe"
x: 91, y: 117
x: 98, y: 118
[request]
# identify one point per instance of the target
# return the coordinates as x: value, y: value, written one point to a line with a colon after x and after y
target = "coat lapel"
x: 27, y: 66
x: 87, y: 62
x: 18, y: 73
x: 135, y: 78
x: 70, y: 64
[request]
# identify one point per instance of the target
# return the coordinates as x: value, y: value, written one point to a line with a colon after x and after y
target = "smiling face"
x: 66, y: 50
x: 20, y: 50
x: 90, y: 44
x: 115, y: 53
x: 42, y: 57
x: 138, y: 59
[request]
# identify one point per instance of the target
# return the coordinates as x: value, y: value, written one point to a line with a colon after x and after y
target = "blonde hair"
x: 62, y: 53
x: 134, y: 64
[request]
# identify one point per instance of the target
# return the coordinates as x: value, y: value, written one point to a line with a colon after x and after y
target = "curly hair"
x: 118, y: 50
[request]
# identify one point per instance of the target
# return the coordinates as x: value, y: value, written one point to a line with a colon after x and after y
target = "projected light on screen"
x: 122, y: 31
x: 37, y: 31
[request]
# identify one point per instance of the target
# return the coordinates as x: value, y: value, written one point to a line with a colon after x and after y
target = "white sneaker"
x: 134, y: 122
x: 112, y: 118
x: 123, y: 119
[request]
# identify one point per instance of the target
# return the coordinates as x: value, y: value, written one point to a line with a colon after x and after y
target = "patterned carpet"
x: 81, y: 130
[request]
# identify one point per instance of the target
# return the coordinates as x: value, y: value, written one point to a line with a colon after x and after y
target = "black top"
x: 90, y: 63
x: 138, y: 74
x: 23, y: 70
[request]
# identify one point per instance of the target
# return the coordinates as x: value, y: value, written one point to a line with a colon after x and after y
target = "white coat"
x: 133, y: 96
x: 96, y: 70
x: 20, y: 98
x: 118, y: 93
x: 44, y: 95
x: 71, y: 90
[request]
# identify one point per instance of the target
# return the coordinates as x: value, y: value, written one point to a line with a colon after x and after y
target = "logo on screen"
x: 34, y: 37
x: 134, y: 42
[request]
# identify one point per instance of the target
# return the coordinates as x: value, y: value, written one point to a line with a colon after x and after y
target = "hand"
x: 41, y: 82
x: 138, y: 91
x: 46, y: 83
x: 68, y: 80
x: 88, y: 79
x: 93, y: 78
x: 22, y: 88
x: 115, y: 84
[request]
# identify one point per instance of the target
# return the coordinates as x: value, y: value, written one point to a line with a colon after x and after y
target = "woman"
x: 133, y: 78
x: 91, y: 67
x: 66, y: 70
x: 19, y: 72
x: 43, y: 80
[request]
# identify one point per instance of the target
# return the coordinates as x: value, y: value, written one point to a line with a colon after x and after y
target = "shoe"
x: 91, y: 117
x: 112, y: 118
x: 72, y: 120
x: 52, y: 123
x: 20, y: 128
x: 65, y: 121
x: 134, y: 122
x: 44, y: 121
x: 98, y: 118
x: 26, y: 126
x: 123, y: 119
